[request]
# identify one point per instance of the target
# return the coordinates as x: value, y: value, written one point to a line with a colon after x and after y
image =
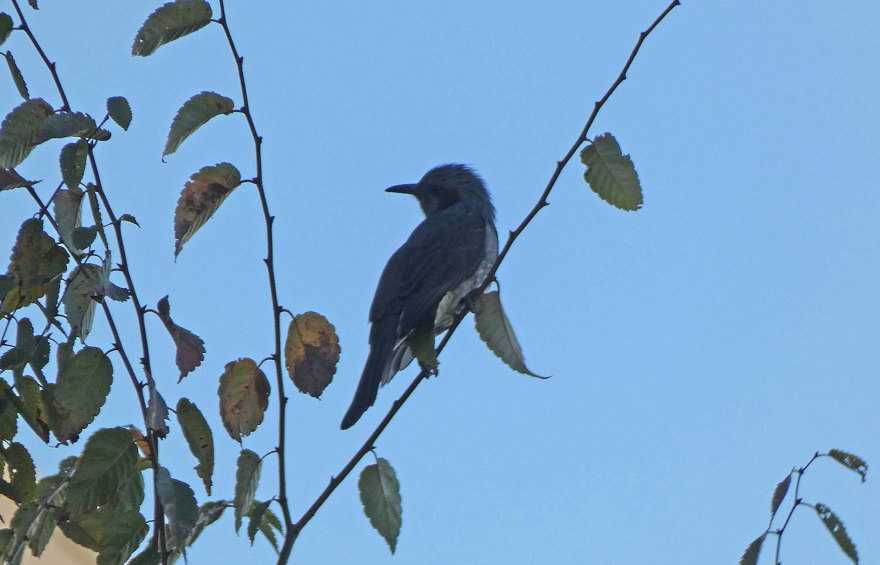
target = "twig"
x: 541, y: 203
x: 284, y: 554
x: 797, y: 502
x: 159, y: 517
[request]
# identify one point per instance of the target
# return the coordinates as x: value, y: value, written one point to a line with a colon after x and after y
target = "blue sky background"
x: 699, y: 348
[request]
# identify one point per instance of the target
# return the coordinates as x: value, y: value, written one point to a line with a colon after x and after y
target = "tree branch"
x: 284, y: 554
x: 539, y: 205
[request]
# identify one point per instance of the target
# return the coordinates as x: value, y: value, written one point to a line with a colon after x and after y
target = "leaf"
x: 380, y: 495
x: 105, y: 467
x: 255, y: 516
x: 36, y: 261
x: 33, y: 525
x: 835, y: 526
x: 10, y: 179
x: 8, y: 413
x: 311, y: 353
x: 752, y: 552
x: 179, y: 505
x: 209, y: 513
x: 195, y: 113
x: 115, y: 534
x: 244, y: 397
x: 73, y: 163
x: 33, y: 4
x: 83, y: 237
x: 107, y: 288
x: 169, y: 22
x: 92, y: 191
x: 141, y: 441
x: 157, y: 412
x: 6, y: 26
x: 199, y: 437
x: 190, y: 347
x: 67, y: 205
x: 779, y: 493
x: 20, y: 469
x: 19, y: 131
x: 31, y: 406
x: 495, y: 330
x: 268, y: 525
x: 148, y: 556
x: 611, y: 174
x: 80, y: 298
x: 119, y: 111
x: 70, y: 124
x: 17, y: 77
x: 76, y: 399
x: 201, y: 197
x: 247, y: 478
x: 850, y: 461
x: 129, y: 218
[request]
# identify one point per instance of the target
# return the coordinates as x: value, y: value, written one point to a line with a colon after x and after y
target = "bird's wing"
x: 442, y: 251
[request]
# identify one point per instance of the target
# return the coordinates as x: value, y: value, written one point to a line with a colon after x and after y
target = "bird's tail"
x: 382, y: 337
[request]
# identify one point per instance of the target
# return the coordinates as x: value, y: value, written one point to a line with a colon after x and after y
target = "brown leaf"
x: 190, y: 347
x: 10, y: 179
x: 311, y: 353
x: 200, y: 198
x: 244, y: 397
x: 141, y: 441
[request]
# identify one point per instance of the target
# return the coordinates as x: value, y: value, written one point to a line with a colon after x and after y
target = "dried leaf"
x: 141, y: 441
x: 244, y: 397
x: 495, y: 329
x: 200, y: 198
x: 311, y: 352
x: 17, y: 77
x: 169, y: 22
x: 20, y: 130
x: 850, y: 461
x: 80, y: 296
x: 190, y: 347
x: 10, y: 179
x: 119, y: 111
x: 838, y: 531
x: 195, y: 113
x: 199, y: 437
x: 157, y: 412
x: 247, y: 478
x: 611, y: 174
x: 67, y: 206
x: 380, y: 495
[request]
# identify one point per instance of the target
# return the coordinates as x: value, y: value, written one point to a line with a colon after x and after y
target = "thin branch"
x: 539, y: 205
x: 797, y: 502
x: 159, y: 516
x: 284, y: 554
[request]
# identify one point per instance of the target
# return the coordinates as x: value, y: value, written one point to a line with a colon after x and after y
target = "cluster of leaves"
x: 831, y: 521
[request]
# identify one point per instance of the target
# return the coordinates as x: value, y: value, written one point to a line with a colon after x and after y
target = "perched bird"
x: 426, y: 281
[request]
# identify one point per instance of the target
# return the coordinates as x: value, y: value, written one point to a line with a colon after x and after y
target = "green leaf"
x: 67, y: 205
x: 8, y: 413
x: 70, y: 124
x: 209, y: 513
x: 119, y: 110
x: 52, y: 293
x: 17, y: 77
x: 199, y: 437
x: 255, y: 516
x: 10, y: 179
x: 169, y: 22
x: 201, y: 197
x: 6, y: 26
x: 33, y: 525
x: 268, y: 525
x: 21, y: 470
x: 835, y: 526
x: 83, y: 237
x: 244, y: 397
x: 76, y: 399
x: 73, y: 163
x: 495, y: 330
x: 247, y: 478
x: 195, y: 113
x: 850, y: 461
x: 149, y: 556
x: 31, y: 406
x: 80, y: 298
x: 611, y: 174
x: 753, y: 551
x: 380, y: 495
x: 179, y: 505
x: 190, y: 347
x: 779, y: 493
x: 311, y: 352
x: 36, y: 261
x: 115, y: 534
x: 105, y: 467
x: 20, y: 130
x: 130, y: 219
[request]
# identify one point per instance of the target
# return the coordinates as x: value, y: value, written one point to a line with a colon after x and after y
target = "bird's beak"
x: 402, y: 188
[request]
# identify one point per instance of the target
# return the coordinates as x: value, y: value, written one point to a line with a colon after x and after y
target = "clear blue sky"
x: 699, y: 348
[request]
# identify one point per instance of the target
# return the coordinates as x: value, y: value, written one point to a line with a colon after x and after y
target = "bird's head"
x: 446, y: 185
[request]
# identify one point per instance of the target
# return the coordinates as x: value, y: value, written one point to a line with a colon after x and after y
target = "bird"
x: 430, y: 278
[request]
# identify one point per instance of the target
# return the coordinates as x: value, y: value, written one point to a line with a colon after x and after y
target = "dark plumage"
x: 447, y: 255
